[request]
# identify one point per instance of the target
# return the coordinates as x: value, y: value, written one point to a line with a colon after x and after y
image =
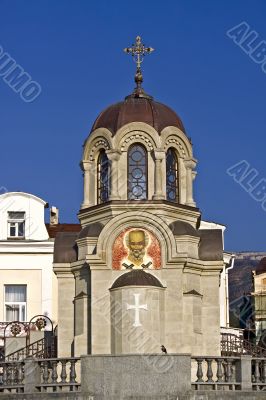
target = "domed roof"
x: 91, y: 230
x: 138, y: 108
x: 183, y: 228
x: 261, y: 268
x: 136, y: 277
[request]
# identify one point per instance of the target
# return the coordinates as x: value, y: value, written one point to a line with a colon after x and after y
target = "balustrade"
x: 214, y: 372
x: 258, y: 370
x: 58, y: 374
x: 225, y: 373
x: 11, y: 377
x: 52, y: 375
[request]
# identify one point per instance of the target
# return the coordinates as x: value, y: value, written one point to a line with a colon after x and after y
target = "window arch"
x: 103, y: 177
x: 172, y: 186
x: 137, y: 172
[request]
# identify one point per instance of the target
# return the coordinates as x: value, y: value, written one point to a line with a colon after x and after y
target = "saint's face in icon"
x: 136, y: 248
x: 136, y: 242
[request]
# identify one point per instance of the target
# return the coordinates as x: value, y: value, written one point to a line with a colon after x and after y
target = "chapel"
x: 140, y: 274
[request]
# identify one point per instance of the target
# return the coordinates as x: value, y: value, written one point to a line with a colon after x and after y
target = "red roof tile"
x: 54, y: 229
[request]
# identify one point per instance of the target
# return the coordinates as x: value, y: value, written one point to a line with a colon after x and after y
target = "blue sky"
x: 73, y: 49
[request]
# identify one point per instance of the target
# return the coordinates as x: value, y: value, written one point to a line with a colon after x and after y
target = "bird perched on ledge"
x: 163, y: 349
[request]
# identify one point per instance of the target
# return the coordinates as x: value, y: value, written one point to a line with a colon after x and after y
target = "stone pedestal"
x: 136, y: 376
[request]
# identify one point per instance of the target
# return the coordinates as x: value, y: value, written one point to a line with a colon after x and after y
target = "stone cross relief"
x: 137, y: 307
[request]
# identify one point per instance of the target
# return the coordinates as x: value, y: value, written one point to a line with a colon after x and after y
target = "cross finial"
x: 138, y: 51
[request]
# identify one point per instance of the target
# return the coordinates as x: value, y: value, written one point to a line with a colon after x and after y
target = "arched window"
x: 172, y: 187
x: 137, y: 172
x: 103, y: 178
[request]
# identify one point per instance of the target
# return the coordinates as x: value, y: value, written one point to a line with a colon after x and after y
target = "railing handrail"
x: 28, y: 347
x: 215, y: 357
x: 58, y: 359
x: 232, y: 343
x: 41, y: 360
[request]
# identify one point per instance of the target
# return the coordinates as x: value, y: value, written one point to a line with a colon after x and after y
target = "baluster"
x: 219, y: 369
x: 209, y: 370
x: 1, y: 373
x: 257, y: 371
x: 12, y: 374
x: 41, y: 348
x: 263, y: 372
x: 20, y: 375
x: 228, y: 377
x: 45, y: 372
x: 73, y: 374
x: 54, y: 372
x: 4, y: 378
x: 63, y: 371
x: 199, y: 370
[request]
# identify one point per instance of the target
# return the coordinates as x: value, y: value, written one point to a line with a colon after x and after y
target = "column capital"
x: 85, y: 165
x: 113, y: 155
x: 190, y: 163
x: 159, y: 154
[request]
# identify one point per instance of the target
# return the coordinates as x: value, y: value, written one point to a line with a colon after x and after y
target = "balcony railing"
x: 58, y: 374
x: 70, y: 375
x: 50, y: 375
x: 215, y: 373
x: 229, y: 373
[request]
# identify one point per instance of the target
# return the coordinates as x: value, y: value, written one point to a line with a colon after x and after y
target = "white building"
x: 224, y: 282
x: 27, y: 283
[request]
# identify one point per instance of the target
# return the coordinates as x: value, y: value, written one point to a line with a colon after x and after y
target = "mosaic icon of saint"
x: 137, y: 242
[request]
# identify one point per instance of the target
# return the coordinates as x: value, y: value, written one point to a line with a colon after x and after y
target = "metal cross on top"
x: 138, y: 51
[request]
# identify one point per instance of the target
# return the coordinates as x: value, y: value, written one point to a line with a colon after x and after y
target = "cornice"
x: 26, y: 246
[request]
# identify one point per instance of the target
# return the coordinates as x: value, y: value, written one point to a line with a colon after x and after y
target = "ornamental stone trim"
x: 176, y: 142
x: 137, y: 138
x: 100, y: 143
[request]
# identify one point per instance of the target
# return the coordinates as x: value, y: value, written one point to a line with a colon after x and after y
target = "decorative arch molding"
x: 136, y: 137
x: 137, y: 132
x: 176, y: 144
x: 174, y: 137
x: 100, y: 139
x: 132, y: 219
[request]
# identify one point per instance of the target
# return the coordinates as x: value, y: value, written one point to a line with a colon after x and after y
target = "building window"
x: 16, y: 224
x: 103, y: 177
x: 137, y: 172
x: 15, y: 302
x: 172, y: 187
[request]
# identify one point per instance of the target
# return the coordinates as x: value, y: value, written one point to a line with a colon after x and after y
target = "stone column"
x: 159, y: 156
x: 243, y: 372
x: 113, y: 156
x: 66, y: 294
x: 88, y: 182
x: 190, y: 164
x: 32, y: 376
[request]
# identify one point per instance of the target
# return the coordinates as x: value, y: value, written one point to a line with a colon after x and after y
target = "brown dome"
x: 138, y: 109
x: 136, y: 277
x: 261, y: 268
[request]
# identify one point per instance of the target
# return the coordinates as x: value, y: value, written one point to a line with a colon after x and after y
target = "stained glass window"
x: 137, y: 172
x: 103, y: 177
x: 172, y: 187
